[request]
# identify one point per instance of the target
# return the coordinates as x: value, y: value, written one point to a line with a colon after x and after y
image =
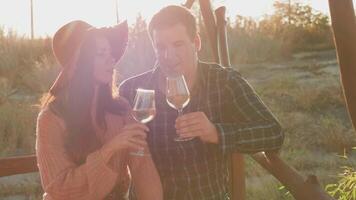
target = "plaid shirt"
x: 198, y: 170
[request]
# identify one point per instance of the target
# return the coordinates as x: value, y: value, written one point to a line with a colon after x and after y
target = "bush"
x: 21, y: 59
x: 277, y: 36
x: 345, y: 188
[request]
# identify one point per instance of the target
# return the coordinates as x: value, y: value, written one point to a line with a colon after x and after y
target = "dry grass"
x: 24, y: 186
x: 304, y: 94
x: 312, y: 112
x: 17, y: 128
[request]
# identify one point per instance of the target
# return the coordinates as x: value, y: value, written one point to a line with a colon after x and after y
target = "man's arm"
x: 259, y: 131
x: 252, y: 128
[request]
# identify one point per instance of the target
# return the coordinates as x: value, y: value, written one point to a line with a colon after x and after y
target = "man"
x: 224, y: 113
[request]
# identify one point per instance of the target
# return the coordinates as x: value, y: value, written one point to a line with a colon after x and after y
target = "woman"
x: 83, y: 133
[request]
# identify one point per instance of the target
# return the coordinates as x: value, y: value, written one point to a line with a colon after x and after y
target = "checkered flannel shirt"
x: 196, y: 170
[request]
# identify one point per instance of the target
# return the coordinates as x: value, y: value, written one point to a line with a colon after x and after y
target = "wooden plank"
x: 222, y: 36
x: 18, y: 165
x: 210, y: 24
x: 344, y: 29
x: 238, y: 185
x: 295, y: 183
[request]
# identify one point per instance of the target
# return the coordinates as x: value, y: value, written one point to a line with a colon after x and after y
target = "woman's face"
x: 103, y: 61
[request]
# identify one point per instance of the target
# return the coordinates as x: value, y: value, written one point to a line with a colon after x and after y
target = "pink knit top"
x: 63, y: 179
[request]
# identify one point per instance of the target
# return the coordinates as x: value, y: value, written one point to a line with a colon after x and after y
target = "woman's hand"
x: 131, y: 136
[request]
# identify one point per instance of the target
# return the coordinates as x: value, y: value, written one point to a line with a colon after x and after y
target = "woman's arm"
x: 61, y: 178
x: 145, y: 177
x: 144, y: 174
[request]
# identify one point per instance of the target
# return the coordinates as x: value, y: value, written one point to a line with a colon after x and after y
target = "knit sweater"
x: 63, y: 179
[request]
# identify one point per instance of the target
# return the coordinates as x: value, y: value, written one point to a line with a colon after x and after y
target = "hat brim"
x: 67, y: 41
x: 118, y: 39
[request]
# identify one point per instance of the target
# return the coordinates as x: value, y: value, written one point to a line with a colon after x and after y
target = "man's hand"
x: 196, y: 124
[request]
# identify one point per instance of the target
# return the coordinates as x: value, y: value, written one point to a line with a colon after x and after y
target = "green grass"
x: 345, y: 188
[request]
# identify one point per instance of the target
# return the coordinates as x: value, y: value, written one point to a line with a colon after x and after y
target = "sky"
x: 49, y: 15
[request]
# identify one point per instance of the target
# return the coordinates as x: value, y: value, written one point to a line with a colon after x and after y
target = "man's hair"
x: 173, y: 15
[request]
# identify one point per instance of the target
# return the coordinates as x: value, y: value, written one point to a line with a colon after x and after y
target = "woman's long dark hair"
x: 74, y: 103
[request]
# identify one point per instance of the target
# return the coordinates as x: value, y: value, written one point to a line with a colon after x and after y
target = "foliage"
x: 345, y: 188
x: 275, y: 37
x: 288, y: 30
x: 25, y: 64
x: 298, y: 25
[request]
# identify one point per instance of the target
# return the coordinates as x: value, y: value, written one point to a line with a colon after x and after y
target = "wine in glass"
x: 177, y: 95
x: 144, y: 109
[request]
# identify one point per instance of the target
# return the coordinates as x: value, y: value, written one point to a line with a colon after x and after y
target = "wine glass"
x: 144, y: 109
x: 177, y: 96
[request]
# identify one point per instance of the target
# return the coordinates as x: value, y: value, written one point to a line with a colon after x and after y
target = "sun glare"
x: 50, y: 15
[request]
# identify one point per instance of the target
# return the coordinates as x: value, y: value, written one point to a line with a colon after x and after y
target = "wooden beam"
x: 238, y: 183
x: 295, y: 183
x: 18, y: 165
x: 344, y: 29
x: 210, y: 24
x: 222, y: 36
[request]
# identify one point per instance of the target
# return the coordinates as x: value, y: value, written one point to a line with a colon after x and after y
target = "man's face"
x: 175, y: 51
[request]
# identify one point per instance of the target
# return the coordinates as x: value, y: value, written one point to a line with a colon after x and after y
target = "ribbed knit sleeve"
x: 145, y: 178
x: 61, y: 178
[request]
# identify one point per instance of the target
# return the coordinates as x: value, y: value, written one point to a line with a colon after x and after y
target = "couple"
x: 84, y: 134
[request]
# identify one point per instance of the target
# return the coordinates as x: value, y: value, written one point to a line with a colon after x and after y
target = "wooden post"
x: 222, y: 36
x: 344, y: 28
x: 237, y: 170
x: 32, y: 28
x: 210, y: 24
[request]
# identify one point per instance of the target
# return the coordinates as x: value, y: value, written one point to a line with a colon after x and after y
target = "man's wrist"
x: 215, y: 134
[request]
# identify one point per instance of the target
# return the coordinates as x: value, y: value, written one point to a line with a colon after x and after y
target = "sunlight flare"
x: 50, y: 15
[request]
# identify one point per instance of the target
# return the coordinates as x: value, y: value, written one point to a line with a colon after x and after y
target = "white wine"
x: 177, y: 96
x: 144, y: 115
x: 178, y: 102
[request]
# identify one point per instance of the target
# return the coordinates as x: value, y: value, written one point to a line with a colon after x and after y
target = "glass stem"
x: 180, y: 112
